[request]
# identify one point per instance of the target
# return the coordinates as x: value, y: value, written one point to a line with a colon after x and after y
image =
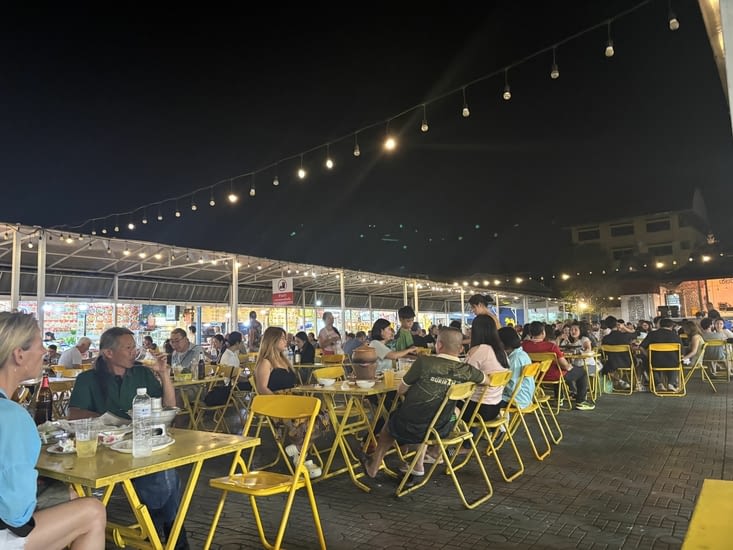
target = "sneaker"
x: 431, y: 459
x: 622, y: 385
x: 584, y: 406
x: 661, y: 387
x: 672, y: 388
x: 313, y: 470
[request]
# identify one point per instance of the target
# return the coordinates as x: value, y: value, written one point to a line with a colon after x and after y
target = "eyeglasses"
x: 176, y: 340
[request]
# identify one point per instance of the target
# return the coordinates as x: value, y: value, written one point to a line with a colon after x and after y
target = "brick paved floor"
x: 625, y: 476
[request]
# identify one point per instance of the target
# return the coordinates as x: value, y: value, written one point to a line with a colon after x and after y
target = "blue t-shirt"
x: 518, y: 359
x: 19, y: 449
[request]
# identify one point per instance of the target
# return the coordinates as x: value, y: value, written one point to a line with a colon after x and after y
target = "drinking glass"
x: 86, y: 438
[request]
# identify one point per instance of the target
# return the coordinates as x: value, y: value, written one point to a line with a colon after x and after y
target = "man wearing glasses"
x: 185, y: 353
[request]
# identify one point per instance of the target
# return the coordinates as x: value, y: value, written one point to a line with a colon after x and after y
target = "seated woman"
x: 307, y: 351
x: 273, y: 372
x: 582, y: 344
x: 79, y: 523
x: 563, y: 340
x: 694, y: 340
x: 382, y: 334
x: 518, y: 359
x: 230, y: 355
x: 486, y: 354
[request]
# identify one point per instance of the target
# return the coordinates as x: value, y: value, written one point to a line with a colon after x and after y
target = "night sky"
x: 105, y: 112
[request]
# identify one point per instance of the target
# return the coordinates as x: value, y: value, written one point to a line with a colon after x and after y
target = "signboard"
x: 282, y: 291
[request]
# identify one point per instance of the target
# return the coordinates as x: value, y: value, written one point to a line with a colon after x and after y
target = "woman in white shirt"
x: 230, y: 357
x: 383, y: 333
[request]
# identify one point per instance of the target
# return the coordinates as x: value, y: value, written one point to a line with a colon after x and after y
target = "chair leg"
x: 495, y: 451
x: 557, y: 435
x: 314, y: 511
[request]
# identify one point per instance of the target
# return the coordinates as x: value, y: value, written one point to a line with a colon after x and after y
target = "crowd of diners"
x: 33, y: 515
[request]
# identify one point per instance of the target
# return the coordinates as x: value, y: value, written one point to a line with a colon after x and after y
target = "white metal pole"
x: 343, y: 303
x: 15, y: 272
x: 41, y: 281
x: 404, y: 292
x: 234, y: 296
x: 416, y: 305
x: 115, y: 298
x: 463, y: 309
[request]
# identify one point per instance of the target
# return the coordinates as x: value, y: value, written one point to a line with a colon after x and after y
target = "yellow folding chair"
x: 518, y: 415
x: 333, y: 359
x: 262, y: 483
x: 224, y: 390
x: 448, y: 446
x: 559, y: 385
x: 620, y: 354
x: 494, y: 430
x: 717, y: 348
x: 543, y: 400
x: 698, y: 365
x: 653, y: 350
x: 329, y: 372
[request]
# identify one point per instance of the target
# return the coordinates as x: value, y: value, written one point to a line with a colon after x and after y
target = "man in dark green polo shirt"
x: 110, y: 387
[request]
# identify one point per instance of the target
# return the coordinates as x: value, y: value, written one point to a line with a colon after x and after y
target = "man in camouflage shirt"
x: 424, y: 387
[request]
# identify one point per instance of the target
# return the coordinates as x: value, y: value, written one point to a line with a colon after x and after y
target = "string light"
x: 160, y: 214
x: 329, y: 160
x: 275, y: 180
x: 465, y: 113
x: 193, y: 204
x: 554, y: 71
x: 233, y: 198
x: 424, y: 126
x: 390, y: 143
x: 609, y: 43
x: 212, y: 202
x: 357, y: 151
x: 674, y: 23
x: 178, y: 212
x: 252, y: 191
x: 145, y: 217
x: 507, y: 95
x: 301, y: 170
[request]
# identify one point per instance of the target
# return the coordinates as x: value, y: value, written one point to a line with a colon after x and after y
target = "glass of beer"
x: 86, y: 438
x: 389, y: 378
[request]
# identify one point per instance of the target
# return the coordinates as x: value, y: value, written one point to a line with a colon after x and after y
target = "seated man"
x: 424, y: 387
x: 538, y: 344
x: 664, y: 359
x: 72, y: 357
x: 616, y: 361
x: 110, y: 387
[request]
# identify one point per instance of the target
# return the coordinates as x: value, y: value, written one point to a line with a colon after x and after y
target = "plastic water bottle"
x: 141, y: 430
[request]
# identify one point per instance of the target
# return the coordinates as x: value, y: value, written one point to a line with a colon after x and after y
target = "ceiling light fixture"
x: 193, y: 204
x: 233, y: 198
x: 145, y: 217
x: 178, y: 212
x: 252, y: 191
x: 275, y: 180
x: 301, y: 170
x: 674, y: 23
x: 424, y: 126
x: 212, y: 201
x: 160, y: 215
x: 329, y: 160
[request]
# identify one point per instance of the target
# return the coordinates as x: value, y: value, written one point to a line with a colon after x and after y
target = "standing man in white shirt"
x: 72, y: 357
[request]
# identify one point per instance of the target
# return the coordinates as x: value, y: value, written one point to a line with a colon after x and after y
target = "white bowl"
x: 326, y: 381
x: 365, y: 384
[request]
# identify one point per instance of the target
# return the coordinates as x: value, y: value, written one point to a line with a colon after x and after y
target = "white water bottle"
x: 141, y: 430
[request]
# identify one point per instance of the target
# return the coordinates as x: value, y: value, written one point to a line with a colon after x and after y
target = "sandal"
x: 432, y: 459
x: 405, y: 468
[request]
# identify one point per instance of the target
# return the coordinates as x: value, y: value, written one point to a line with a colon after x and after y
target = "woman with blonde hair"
x: 79, y: 523
x: 273, y: 372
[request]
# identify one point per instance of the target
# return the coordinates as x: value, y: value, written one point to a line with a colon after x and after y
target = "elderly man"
x: 185, y: 353
x: 72, y: 357
x: 110, y: 387
x: 424, y: 387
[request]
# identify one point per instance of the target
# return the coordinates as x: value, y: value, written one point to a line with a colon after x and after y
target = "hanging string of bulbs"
x: 143, y: 214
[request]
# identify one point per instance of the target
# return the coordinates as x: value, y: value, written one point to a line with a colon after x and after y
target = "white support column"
x: 41, y: 281
x: 15, y: 271
x: 302, y: 303
x: 404, y: 292
x: 371, y: 311
x: 416, y: 305
x: 115, y: 298
x: 234, y: 296
x: 463, y: 309
x: 547, y: 310
x: 343, y: 302
x: 525, y: 305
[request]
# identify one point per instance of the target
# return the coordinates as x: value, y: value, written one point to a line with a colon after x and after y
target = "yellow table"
x: 348, y: 418
x: 189, y: 405
x: 108, y: 468
x: 710, y: 526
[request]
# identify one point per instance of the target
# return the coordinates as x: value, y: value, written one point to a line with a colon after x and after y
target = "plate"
x: 125, y: 446
x: 58, y: 450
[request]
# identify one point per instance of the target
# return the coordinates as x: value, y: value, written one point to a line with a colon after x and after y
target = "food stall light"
x: 142, y: 255
x: 117, y: 230
x: 497, y: 282
x: 157, y: 256
x: 130, y: 226
x: 126, y: 251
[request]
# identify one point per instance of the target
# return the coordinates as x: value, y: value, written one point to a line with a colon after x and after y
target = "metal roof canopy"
x: 105, y: 268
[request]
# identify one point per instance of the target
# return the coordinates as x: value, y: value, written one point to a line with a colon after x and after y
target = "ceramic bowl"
x: 365, y: 384
x: 326, y: 381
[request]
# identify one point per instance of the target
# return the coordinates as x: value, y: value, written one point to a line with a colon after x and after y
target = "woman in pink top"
x: 486, y: 354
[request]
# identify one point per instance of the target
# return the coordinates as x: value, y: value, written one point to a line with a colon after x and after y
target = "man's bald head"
x: 451, y: 340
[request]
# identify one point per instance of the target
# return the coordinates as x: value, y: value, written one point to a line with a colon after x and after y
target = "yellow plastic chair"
x: 329, y: 372
x: 699, y: 365
x: 496, y: 438
x: 448, y: 446
x: 219, y: 411
x: 333, y: 359
x: 718, y: 346
x: 627, y: 374
x: 261, y: 483
x: 563, y: 393
x: 659, y: 348
x: 543, y: 400
x: 518, y: 415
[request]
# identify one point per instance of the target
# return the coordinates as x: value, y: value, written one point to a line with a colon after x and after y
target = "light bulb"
x: 252, y: 192
x: 507, y: 95
x: 390, y: 143
x: 212, y: 202
x: 674, y: 23
x: 117, y: 228
x: 178, y: 213
x: 301, y: 173
x: 30, y: 244
x: 424, y: 126
x: 465, y: 113
x: 144, y: 220
x: 329, y: 163
x: 104, y: 230
x: 357, y: 151
x: 554, y: 72
x: 130, y: 226
x: 275, y: 181
x: 233, y: 198
x: 609, y: 48
x: 94, y: 232
x: 160, y: 217
x: 194, y: 207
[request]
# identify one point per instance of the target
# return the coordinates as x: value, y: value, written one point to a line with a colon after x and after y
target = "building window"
x: 621, y: 230
x: 685, y: 245
x: 619, y: 253
x: 661, y: 250
x: 683, y: 220
x: 589, y: 234
x: 652, y: 226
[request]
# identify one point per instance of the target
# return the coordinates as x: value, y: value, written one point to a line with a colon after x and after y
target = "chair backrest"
x: 617, y: 353
x: 332, y: 358
x: 540, y: 356
x: 664, y: 348
x: 499, y: 378
x: 458, y: 392
x: 616, y: 348
x: 329, y: 372
x: 533, y: 370
x: 290, y: 407
x: 543, y: 367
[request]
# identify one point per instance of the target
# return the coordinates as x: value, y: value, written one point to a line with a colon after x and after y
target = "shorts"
x: 50, y: 493
x: 11, y: 541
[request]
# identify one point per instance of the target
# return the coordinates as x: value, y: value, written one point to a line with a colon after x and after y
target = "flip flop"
x: 405, y: 468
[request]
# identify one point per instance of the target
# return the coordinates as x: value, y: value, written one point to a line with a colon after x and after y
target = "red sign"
x: 282, y: 292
